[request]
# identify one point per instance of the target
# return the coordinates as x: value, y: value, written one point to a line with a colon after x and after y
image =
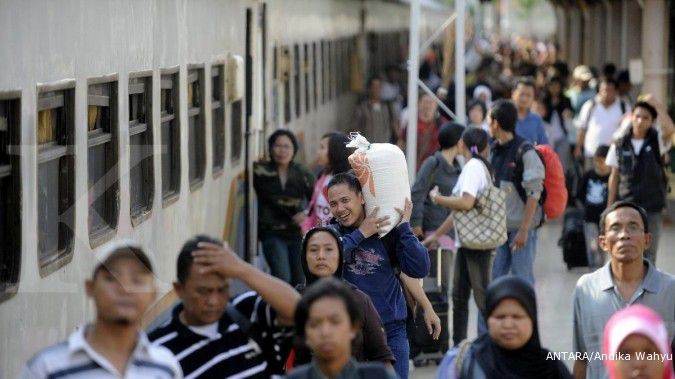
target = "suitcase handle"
x: 438, y: 267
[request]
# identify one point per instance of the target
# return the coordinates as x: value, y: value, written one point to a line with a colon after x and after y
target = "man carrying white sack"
x: 367, y: 258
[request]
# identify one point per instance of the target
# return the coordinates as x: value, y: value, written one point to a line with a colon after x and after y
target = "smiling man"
x: 367, y: 262
x: 627, y: 279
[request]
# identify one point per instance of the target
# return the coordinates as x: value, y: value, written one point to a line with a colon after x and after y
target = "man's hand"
x: 431, y: 242
x: 433, y: 323
x: 299, y: 217
x: 418, y: 231
x: 217, y: 259
x: 372, y: 224
x: 406, y: 213
x: 433, y: 194
x: 519, y: 240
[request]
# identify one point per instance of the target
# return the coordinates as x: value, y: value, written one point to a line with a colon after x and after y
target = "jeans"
x: 519, y: 263
x: 594, y: 255
x: 397, y: 339
x: 655, y: 224
x: 472, y: 271
x: 283, y: 257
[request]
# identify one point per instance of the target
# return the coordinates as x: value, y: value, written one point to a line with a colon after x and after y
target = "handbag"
x: 483, y: 227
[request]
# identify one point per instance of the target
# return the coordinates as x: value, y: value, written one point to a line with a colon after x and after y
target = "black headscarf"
x: 529, y: 361
x: 309, y: 277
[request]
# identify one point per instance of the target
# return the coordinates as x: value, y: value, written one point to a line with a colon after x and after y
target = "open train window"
x: 141, y: 170
x: 170, y: 136
x: 296, y: 80
x: 235, y: 126
x: 196, y: 129
x: 314, y: 73
x: 10, y: 194
x: 218, y: 117
x: 56, y: 175
x: 102, y: 160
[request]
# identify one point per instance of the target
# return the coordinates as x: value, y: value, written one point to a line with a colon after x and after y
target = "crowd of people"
x: 339, y: 297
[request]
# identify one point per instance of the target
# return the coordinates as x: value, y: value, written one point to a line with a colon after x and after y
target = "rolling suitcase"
x: 423, y: 348
x: 573, y: 240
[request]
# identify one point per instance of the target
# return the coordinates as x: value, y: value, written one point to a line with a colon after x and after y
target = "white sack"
x: 383, y: 174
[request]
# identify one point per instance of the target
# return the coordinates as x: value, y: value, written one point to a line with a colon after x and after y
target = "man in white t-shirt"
x: 638, y: 175
x: 600, y: 119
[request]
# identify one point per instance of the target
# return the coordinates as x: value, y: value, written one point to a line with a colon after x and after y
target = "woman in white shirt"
x: 472, y: 267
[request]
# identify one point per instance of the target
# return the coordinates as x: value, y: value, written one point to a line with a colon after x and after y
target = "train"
x: 129, y: 119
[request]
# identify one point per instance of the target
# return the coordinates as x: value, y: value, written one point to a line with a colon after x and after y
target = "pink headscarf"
x: 636, y: 319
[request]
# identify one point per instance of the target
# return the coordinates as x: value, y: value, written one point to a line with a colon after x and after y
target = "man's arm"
x: 612, y: 186
x: 412, y: 255
x: 578, y: 345
x: 431, y: 319
x: 579, y: 369
x: 533, y: 184
x: 277, y: 293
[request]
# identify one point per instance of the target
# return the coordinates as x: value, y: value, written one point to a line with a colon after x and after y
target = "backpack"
x: 554, y: 197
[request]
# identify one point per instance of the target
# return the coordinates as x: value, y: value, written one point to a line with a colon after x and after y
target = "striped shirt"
x: 231, y: 353
x: 76, y: 359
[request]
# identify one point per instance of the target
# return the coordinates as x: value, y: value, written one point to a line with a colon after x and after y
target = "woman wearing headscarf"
x: 484, y: 94
x: 322, y: 256
x: 637, y: 344
x: 511, y: 348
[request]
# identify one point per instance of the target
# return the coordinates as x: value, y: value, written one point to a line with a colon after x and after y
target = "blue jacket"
x: 532, y: 129
x: 368, y: 267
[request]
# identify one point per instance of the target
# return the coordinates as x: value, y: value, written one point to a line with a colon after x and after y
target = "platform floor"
x: 554, y: 286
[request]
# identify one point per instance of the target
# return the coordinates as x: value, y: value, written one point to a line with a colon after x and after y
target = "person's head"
x: 282, y: 146
x: 477, y: 112
x: 624, y: 232
x: 523, y: 93
x: 321, y: 254
x: 393, y: 73
x: 502, y: 118
x: 346, y: 200
x: 554, y: 86
x: 482, y: 93
x: 582, y: 76
x: 328, y: 318
x: 375, y: 88
x: 511, y: 313
x: 122, y: 284
x: 599, y: 164
x: 607, y: 91
x: 609, y: 70
x: 204, y: 296
x: 642, y: 118
x: 449, y: 135
x: 427, y: 108
x: 475, y: 143
x: 631, y: 335
x: 623, y: 82
x: 333, y: 152
x: 539, y: 107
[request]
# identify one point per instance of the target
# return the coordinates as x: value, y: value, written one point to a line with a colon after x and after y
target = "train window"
x: 141, y: 170
x: 102, y: 160
x: 170, y: 136
x: 10, y: 194
x: 196, y: 129
x: 314, y: 69
x: 235, y: 126
x: 296, y: 80
x: 218, y: 118
x: 56, y: 175
x: 324, y: 72
x: 336, y: 68
x: 287, y: 83
x: 329, y: 71
x: 306, y: 71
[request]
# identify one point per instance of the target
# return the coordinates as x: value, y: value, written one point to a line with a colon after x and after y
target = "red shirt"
x: 427, y: 139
